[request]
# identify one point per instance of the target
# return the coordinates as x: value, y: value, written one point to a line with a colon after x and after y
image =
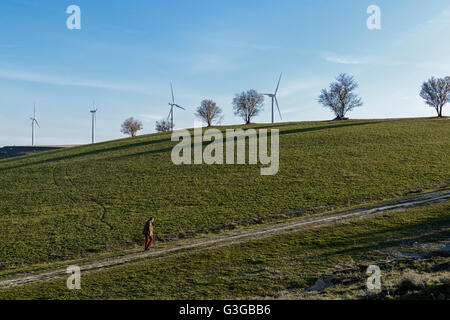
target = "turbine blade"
x: 171, y: 90
x: 278, y: 107
x: 37, y: 123
x: 278, y: 85
x: 179, y: 106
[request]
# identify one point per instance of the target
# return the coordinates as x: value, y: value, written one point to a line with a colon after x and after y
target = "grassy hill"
x: 88, y: 200
x: 286, y: 265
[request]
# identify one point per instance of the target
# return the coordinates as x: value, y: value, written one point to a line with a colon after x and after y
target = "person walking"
x: 148, y: 233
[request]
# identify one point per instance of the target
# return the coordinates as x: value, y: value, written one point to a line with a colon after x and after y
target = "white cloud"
x: 428, y: 34
x: 221, y: 42
x: 343, y: 59
x: 441, y: 20
x: 211, y: 63
x: 298, y: 86
x: 423, y: 46
x: 60, y: 81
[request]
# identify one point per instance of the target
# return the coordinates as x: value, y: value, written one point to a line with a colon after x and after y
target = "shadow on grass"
x: 292, y: 131
x: 86, y: 153
x: 168, y: 139
x: 343, y: 125
x: 417, y: 232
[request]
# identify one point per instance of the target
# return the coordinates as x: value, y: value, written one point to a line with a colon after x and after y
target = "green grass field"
x: 281, y: 266
x: 89, y: 200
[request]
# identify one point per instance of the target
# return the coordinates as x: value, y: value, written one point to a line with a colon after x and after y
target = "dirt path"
x: 240, y: 236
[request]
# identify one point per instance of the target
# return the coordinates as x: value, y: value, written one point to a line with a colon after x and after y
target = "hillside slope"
x: 89, y: 199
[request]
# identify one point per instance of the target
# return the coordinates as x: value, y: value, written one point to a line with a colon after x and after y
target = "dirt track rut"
x: 238, y: 236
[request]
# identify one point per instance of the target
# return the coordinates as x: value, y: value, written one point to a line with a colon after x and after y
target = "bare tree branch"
x: 163, y: 126
x: 209, y: 112
x: 248, y: 105
x: 340, y: 98
x: 131, y: 127
x: 436, y: 93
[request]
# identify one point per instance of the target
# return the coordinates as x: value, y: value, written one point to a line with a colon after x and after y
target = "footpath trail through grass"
x: 236, y: 237
x: 285, y: 262
x: 89, y: 200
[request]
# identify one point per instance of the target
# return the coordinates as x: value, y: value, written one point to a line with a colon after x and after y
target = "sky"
x: 127, y: 52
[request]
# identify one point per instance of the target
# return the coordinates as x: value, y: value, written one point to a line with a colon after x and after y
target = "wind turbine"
x: 33, y: 121
x: 94, y: 120
x: 172, y: 104
x: 274, y: 99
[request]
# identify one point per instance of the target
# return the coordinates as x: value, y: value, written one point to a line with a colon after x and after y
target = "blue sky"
x: 127, y: 52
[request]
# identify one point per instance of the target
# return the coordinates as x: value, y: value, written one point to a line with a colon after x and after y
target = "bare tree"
x: 248, y: 105
x: 163, y: 126
x: 209, y: 112
x: 436, y: 93
x: 131, y: 127
x: 340, y: 99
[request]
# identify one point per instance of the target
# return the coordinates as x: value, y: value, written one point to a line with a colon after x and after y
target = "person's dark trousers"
x: 148, y: 241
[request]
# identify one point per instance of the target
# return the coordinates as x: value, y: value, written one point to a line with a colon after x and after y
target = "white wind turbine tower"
x: 94, y: 120
x: 33, y: 121
x: 172, y: 104
x: 274, y: 99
